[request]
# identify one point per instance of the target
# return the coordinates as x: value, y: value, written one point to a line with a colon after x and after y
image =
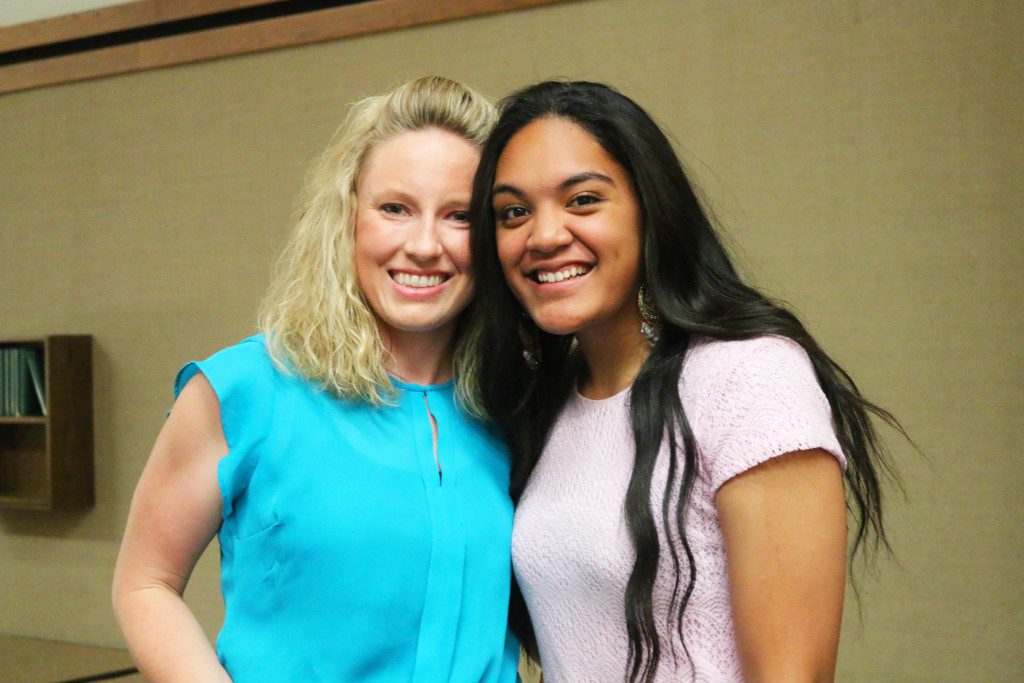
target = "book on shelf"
x: 35, y: 369
x: 22, y: 388
x: 7, y: 380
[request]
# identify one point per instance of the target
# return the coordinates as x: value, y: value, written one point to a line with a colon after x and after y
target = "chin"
x: 418, y: 324
x: 558, y: 325
x: 423, y: 327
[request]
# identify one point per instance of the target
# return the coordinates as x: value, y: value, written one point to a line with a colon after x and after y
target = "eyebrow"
x: 398, y: 194
x: 391, y: 193
x: 562, y: 186
x: 583, y: 177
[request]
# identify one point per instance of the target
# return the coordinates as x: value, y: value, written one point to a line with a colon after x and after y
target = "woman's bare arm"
x: 784, y: 524
x: 174, y: 515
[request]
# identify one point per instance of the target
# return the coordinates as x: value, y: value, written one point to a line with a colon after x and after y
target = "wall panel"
x: 864, y: 157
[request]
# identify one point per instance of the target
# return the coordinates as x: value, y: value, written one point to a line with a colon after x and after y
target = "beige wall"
x: 864, y: 156
x: 13, y: 12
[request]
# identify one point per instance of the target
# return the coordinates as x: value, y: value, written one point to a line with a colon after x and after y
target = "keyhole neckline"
x: 409, y: 386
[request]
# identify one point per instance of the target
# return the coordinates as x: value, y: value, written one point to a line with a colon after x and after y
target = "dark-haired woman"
x: 681, y: 441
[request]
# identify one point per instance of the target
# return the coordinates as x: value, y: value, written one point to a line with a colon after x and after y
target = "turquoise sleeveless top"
x: 348, y: 553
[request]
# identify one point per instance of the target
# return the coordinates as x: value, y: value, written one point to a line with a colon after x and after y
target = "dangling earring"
x: 650, y: 323
x: 531, y: 352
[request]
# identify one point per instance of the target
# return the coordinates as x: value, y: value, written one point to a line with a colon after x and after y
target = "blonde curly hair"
x: 314, y: 316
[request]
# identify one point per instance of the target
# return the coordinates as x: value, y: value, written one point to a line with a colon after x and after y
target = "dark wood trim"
x: 68, y: 369
x: 258, y: 36
x: 109, y: 19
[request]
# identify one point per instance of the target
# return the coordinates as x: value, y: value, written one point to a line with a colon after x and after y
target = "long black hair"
x: 697, y: 293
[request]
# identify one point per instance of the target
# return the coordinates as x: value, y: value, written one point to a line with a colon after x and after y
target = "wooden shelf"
x: 27, y: 420
x: 46, y: 462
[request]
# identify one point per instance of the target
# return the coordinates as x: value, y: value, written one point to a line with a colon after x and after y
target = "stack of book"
x: 22, y: 391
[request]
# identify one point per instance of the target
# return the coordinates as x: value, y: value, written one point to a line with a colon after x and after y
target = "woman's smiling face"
x: 568, y: 231
x: 412, y: 230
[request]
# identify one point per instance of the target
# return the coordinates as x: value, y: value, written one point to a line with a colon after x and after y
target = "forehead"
x: 548, y: 150
x: 420, y: 155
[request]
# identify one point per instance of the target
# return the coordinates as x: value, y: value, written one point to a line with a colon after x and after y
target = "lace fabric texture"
x: 747, y: 402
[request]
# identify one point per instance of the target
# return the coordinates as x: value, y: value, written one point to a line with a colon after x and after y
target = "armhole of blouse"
x: 236, y: 466
x: 184, y: 376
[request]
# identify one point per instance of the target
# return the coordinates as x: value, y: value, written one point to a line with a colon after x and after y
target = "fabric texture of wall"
x: 864, y: 158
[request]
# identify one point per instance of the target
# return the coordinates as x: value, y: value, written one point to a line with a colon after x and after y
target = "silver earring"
x: 650, y: 323
x: 531, y: 353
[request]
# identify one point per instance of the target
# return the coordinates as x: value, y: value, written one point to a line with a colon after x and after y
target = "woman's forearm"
x: 164, y: 637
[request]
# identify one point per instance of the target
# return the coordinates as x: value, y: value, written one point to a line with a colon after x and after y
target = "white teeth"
x: 564, y: 274
x: 409, y: 280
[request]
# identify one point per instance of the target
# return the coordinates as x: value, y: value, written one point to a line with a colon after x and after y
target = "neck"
x: 419, y: 357
x: 614, y: 352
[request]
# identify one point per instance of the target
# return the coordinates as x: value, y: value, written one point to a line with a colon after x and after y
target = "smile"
x: 559, y: 275
x: 418, y: 281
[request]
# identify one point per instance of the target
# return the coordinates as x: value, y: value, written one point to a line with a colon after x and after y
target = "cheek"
x: 456, y: 245
x: 362, y: 252
x: 627, y: 243
x: 369, y: 254
x: 373, y: 242
x: 510, y: 250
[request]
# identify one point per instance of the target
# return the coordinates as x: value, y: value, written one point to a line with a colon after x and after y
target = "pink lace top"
x: 746, y: 401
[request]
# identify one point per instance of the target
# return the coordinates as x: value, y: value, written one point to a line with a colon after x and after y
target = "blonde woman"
x: 362, y: 513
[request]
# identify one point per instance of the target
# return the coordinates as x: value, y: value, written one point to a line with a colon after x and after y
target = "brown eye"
x: 512, y: 213
x: 586, y: 199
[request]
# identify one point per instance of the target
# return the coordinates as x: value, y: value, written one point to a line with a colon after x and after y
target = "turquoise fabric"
x: 345, y: 554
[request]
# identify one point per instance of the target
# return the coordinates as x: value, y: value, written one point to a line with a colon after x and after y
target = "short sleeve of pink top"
x: 747, y: 402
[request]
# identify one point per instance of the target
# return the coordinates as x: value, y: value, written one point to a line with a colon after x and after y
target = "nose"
x: 550, y: 232
x: 423, y: 243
